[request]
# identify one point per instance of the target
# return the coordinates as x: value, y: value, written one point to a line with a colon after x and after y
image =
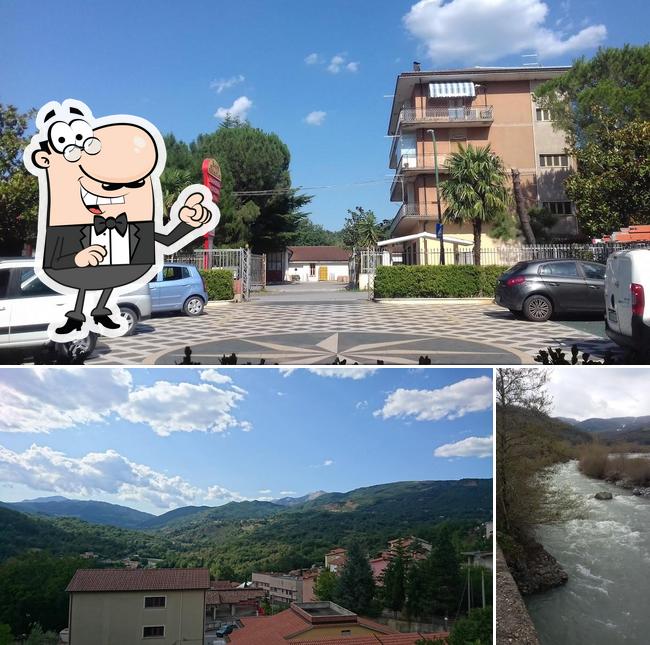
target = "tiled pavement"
x: 358, y: 330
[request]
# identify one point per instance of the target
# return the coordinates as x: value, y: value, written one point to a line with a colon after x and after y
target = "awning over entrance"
x: 448, y: 239
x: 445, y: 90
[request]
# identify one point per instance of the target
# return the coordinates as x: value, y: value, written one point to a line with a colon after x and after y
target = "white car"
x: 627, y: 285
x: 27, y: 306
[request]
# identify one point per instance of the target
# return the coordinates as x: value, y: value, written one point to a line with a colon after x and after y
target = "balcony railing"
x: 426, y: 161
x: 446, y: 115
x: 428, y: 209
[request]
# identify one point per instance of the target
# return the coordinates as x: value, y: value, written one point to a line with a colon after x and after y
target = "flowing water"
x: 607, y: 557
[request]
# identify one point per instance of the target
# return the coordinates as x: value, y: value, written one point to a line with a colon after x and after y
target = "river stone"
x: 603, y: 495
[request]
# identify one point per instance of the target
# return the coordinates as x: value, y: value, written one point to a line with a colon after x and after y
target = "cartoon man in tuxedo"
x: 100, y: 223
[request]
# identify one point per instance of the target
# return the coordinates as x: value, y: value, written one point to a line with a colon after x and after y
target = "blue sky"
x: 164, y: 61
x: 161, y: 438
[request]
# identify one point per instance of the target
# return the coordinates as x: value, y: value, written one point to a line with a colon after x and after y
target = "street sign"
x: 439, y: 231
x: 211, y: 172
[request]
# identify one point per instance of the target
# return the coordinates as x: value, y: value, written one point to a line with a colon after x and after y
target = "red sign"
x: 212, y: 179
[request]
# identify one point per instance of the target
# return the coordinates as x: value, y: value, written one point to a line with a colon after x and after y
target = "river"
x: 607, y: 557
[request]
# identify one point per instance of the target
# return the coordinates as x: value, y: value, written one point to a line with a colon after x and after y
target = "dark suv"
x: 540, y: 288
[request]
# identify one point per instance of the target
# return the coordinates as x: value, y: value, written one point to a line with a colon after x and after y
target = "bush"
x: 448, y: 281
x: 218, y: 284
x: 593, y: 461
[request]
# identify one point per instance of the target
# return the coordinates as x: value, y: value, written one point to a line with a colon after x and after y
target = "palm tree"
x: 173, y: 181
x: 475, y: 191
x: 369, y: 230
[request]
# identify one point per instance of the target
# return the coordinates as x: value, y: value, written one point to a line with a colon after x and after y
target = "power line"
x: 282, y: 191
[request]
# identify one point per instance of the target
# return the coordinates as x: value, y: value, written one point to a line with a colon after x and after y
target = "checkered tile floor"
x: 289, y: 332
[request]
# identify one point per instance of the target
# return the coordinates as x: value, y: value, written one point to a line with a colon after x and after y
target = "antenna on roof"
x: 530, y: 63
x: 416, y: 66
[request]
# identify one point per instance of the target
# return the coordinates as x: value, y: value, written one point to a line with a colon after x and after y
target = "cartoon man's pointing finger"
x: 100, y: 212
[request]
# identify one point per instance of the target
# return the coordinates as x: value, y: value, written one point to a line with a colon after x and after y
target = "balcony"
x: 414, y: 164
x: 446, y: 117
x: 426, y: 211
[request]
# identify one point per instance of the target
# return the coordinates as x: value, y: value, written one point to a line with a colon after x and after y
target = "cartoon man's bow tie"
x: 119, y: 223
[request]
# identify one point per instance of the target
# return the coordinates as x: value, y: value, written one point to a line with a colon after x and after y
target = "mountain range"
x: 632, y: 429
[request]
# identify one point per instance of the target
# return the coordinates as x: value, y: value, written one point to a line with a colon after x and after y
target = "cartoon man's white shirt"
x: 118, y: 247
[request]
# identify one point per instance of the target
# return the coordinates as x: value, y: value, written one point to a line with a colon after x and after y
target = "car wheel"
x: 193, y: 306
x: 538, y: 308
x: 131, y: 320
x: 77, y: 350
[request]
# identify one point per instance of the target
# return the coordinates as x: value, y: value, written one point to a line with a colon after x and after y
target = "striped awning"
x: 444, y: 90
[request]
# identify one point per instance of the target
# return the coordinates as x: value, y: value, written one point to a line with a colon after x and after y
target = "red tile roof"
x: 318, y: 254
x: 139, y: 580
x: 375, y: 639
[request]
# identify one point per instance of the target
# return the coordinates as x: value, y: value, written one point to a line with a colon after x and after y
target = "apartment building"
x: 118, y: 606
x: 471, y: 107
x: 285, y: 589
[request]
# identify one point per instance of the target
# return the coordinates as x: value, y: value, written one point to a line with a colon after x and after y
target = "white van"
x: 27, y: 306
x: 627, y: 285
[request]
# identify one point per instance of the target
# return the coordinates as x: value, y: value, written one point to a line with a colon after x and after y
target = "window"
x: 153, y: 631
x: 559, y: 269
x: 554, y: 161
x: 4, y: 282
x: 593, y: 271
x: 558, y: 208
x: 151, y: 602
x: 312, y: 269
x: 543, y: 114
x: 30, y: 286
x: 174, y: 273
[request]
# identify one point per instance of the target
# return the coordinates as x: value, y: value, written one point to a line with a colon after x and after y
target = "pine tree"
x: 355, y: 588
x: 395, y: 579
x: 445, y: 575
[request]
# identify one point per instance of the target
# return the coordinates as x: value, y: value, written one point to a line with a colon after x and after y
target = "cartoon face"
x: 106, y: 171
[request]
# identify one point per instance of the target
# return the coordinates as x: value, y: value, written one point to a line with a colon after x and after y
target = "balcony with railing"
x: 415, y: 164
x: 420, y: 211
x: 446, y: 116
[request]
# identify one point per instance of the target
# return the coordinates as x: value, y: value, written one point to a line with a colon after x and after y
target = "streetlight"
x: 435, y: 166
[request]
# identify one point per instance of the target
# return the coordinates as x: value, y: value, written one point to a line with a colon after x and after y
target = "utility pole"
x: 524, y: 220
x: 435, y: 168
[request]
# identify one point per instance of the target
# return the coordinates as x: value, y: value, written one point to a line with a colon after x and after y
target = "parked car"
x: 27, y: 306
x: 627, y: 282
x: 538, y: 289
x: 178, y: 287
x: 224, y: 630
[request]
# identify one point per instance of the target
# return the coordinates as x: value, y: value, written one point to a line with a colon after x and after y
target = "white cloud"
x: 44, y: 399
x: 355, y: 373
x: 451, y: 402
x: 470, y: 447
x: 335, y: 64
x: 288, y: 493
x: 183, y: 407
x: 109, y: 472
x: 352, y: 66
x: 317, y: 117
x: 238, y: 110
x: 213, y: 376
x: 483, y: 31
x: 328, y: 462
x: 265, y: 491
x: 361, y: 405
x: 609, y: 393
x: 312, y: 59
x: 226, y: 83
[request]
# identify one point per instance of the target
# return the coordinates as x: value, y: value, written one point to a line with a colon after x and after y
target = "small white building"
x: 317, y: 264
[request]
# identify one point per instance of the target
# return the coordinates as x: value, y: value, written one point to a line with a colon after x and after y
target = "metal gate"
x: 248, y: 269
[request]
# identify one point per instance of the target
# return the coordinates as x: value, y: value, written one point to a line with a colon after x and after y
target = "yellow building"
x: 470, y: 107
x: 129, y: 606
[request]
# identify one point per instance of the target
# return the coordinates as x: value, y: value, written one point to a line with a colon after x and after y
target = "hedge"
x: 218, y: 284
x: 436, y: 281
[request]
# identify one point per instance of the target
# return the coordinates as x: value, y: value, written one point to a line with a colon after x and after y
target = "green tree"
x: 361, y: 229
x: 475, y: 190
x: 475, y: 629
x: 355, y: 587
x: 325, y: 585
x: 610, y: 90
x: 541, y: 221
x: 173, y: 181
x: 18, y: 189
x: 612, y: 186
x: 419, y: 596
x: 445, y: 575
x: 38, y: 637
x: 310, y: 234
x: 395, y: 575
x: 6, y: 637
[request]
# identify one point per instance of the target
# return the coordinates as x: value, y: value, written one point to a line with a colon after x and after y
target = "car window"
x: 593, y: 271
x: 172, y: 273
x: 559, y: 269
x: 30, y: 286
x: 518, y: 267
x: 4, y: 282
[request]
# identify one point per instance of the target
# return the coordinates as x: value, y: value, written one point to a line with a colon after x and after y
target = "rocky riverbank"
x: 536, y: 570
